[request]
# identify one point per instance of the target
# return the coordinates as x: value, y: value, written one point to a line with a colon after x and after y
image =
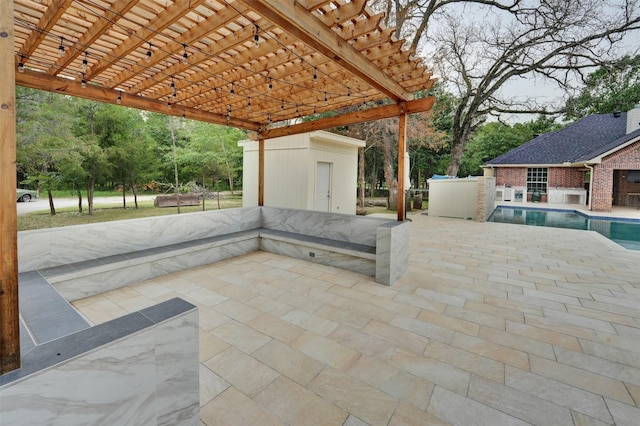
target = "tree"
x: 95, y: 161
x: 45, y: 143
x: 612, y: 87
x: 212, y: 152
x: 556, y: 40
x: 495, y: 138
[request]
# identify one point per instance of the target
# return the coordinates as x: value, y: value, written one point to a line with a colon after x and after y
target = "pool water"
x: 625, y: 232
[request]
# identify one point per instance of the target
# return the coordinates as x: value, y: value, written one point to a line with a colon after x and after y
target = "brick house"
x: 594, y: 161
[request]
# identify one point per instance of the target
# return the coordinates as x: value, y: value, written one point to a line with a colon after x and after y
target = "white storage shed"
x: 311, y: 171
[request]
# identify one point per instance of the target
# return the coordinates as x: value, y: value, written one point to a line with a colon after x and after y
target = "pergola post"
x: 402, y: 149
x: 9, y: 315
x: 261, y: 172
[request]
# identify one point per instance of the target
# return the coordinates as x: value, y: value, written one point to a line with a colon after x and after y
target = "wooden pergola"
x: 258, y: 65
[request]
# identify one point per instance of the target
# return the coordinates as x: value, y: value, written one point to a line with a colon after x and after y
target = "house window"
x: 537, y: 179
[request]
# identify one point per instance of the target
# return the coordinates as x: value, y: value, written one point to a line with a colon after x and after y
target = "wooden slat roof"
x: 252, y: 64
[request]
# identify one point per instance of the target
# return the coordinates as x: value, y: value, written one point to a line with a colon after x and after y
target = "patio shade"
x: 253, y: 65
x: 258, y: 65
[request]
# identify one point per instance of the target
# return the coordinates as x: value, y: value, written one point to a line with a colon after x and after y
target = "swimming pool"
x: 625, y: 232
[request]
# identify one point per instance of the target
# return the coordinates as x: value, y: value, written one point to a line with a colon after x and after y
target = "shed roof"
x: 580, y: 141
x: 252, y: 64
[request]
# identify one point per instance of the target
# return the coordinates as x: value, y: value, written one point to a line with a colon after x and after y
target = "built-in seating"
x: 84, y: 260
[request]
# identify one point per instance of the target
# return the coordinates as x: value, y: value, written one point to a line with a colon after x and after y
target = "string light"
x: 83, y: 83
x: 256, y: 36
x: 168, y: 102
x: 185, y: 57
x: 21, y: 64
x: 85, y: 62
x: 184, y: 113
x: 61, y: 47
x: 119, y: 100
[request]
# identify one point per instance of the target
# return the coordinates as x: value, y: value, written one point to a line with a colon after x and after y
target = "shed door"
x: 323, y: 187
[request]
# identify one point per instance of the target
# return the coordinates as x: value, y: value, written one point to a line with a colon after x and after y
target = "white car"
x: 25, y: 195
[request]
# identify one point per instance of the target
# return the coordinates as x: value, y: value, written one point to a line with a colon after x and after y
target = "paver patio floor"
x: 493, y: 324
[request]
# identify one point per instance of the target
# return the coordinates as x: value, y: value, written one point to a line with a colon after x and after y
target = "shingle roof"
x: 579, y: 141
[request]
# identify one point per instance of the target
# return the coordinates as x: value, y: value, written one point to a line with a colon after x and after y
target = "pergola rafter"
x: 209, y: 60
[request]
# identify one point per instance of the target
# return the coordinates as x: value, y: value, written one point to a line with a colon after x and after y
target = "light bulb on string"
x: 83, y: 82
x: 185, y: 55
x: 119, y: 100
x: 21, y: 64
x: 256, y: 36
x: 85, y: 62
x: 61, y: 47
x: 148, y: 55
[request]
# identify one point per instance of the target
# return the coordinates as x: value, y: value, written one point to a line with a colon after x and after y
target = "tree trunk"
x: 175, y: 160
x: 459, y: 141
x: 456, y: 159
x: 124, y: 195
x: 134, y: 192
x: 90, y: 185
x: 218, y: 190
x: 79, y: 201
x: 52, y: 208
x: 204, y: 193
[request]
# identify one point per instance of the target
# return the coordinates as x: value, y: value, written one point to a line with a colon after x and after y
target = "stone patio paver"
x: 493, y: 324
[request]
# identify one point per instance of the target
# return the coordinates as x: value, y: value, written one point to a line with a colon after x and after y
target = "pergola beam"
x: 46, y: 22
x: 302, y: 24
x: 379, y: 113
x: 42, y: 81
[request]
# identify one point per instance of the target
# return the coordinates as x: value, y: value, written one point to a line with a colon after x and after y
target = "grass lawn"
x: 108, y: 212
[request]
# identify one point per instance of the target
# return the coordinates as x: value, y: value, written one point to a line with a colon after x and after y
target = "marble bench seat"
x: 86, y: 278
x: 84, y: 260
x: 341, y: 254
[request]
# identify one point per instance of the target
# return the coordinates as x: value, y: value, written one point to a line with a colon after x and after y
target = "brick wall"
x: 565, y: 177
x: 514, y: 176
x: 602, y: 191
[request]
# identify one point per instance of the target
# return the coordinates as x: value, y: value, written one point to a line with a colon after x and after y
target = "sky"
x: 543, y: 90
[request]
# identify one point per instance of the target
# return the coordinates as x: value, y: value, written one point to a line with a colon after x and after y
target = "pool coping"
x: 578, y: 212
